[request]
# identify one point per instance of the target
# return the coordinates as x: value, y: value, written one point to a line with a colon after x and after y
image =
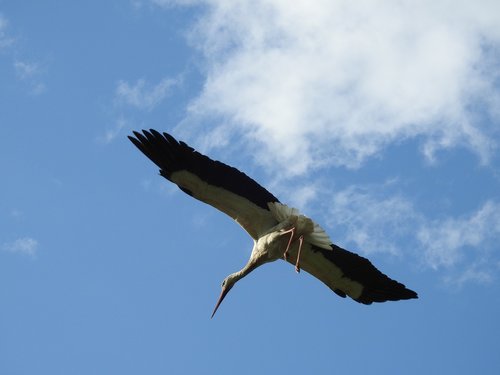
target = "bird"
x: 278, y: 231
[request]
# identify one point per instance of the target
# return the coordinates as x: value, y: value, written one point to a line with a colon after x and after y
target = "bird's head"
x: 226, y: 286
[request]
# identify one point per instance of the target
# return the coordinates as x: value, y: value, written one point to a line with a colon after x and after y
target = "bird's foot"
x: 297, y: 263
x: 292, y: 231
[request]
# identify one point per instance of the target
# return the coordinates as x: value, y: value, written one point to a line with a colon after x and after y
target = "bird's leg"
x: 297, y: 266
x: 292, y: 230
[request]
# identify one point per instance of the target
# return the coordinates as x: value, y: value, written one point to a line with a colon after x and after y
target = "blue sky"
x: 379, y: 121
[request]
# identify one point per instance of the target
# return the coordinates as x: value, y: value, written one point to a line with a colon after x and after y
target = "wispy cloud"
x: 5, y: 39
x: 464, y: 247
x: 111, y: 133
x: 25, y: 246
x: 445, y: 241
x: 372, y: 221
x: 25, y: 70
x: 169, y: 3
x: 141, y: 95
x: 30, y: 72
x: 338, y: 81
x: 132, y: 97
x: 479, y: 272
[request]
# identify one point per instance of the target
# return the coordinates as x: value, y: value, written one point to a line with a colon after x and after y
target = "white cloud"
x: 141, y: 95
x: 25, y: 245
x: 5, y: 39
x: 30, y: 72
x: 302, y: 195
x: 444, y: 241
x: 111, y: 133
x: 169, y: 3
x: 25, y: 70
x: 336, y: 81
x: 372, y: 222
x: 478, y: 272
x: 464, y: 246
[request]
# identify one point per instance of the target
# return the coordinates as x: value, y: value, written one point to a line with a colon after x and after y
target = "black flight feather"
x: 172, y: 156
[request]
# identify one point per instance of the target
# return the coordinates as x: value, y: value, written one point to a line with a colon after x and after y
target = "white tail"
x: 317, y: 237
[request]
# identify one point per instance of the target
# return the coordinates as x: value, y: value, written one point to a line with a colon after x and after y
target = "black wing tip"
x: 150, y: 134
x: 136, y: 141
x: 411, y: 295
x: 391, y: 290
x: 376, y: 286
x: 159, y: 148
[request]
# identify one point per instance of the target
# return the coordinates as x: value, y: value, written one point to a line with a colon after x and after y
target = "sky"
x: 380, y: 120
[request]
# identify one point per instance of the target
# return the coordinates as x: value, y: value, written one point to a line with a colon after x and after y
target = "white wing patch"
x: 312, y: 232
x: 254, y: 219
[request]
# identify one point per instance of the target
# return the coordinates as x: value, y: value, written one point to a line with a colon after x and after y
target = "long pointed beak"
x: 223, y: 294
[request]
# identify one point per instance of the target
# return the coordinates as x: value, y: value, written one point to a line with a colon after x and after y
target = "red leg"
x: 289, y: 241
x: 297, y: 265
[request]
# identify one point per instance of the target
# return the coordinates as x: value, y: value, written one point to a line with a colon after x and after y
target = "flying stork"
x: 278, y: 231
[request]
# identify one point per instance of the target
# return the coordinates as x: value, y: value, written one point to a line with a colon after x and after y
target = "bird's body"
x: 278, y: 231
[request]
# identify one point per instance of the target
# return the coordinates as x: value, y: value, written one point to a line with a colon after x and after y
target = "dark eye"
x: 223, y: 283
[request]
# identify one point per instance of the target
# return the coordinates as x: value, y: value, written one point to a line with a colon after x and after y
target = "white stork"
x: 279, y: 232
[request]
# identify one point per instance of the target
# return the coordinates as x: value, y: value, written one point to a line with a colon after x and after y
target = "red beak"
x: 223, y: 294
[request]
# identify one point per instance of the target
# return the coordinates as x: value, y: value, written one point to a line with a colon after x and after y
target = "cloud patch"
x: 132, y: 97
x: 464, y: 246
x: 372, y: 222
x: 337, y: 81
x: 113, y: 132
x: 5, y: 39
x: 24, y: 246
x: 30, y: 73
x: 142, y: 95
x: 445, y: 241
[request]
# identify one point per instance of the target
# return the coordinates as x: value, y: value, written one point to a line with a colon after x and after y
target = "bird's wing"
x: 210, y: 181
x: 349, y: 274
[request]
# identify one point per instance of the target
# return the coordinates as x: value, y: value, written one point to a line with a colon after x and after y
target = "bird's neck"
x: 249, y: 267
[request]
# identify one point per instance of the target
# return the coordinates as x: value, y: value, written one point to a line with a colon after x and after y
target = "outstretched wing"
x: 349, y: 274
x: 210, y: 181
